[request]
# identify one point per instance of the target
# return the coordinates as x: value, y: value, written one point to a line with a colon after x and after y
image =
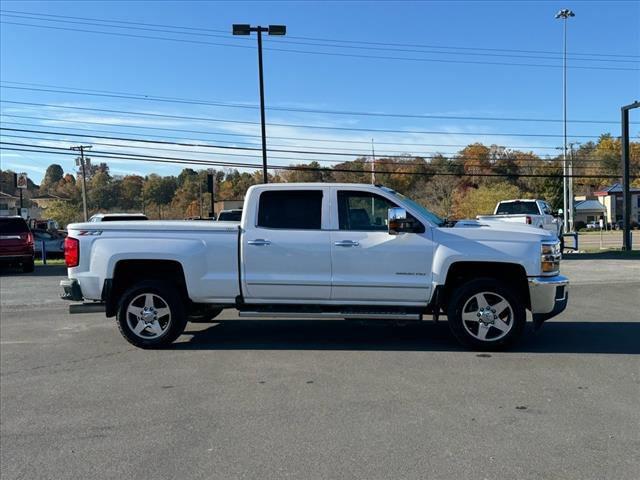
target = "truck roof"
x: 279, y: 186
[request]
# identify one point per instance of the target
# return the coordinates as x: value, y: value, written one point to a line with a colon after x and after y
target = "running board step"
x: 336, y: 315
x: 87, y: 307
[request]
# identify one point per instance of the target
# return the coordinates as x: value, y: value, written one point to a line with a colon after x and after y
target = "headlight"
x: 550, y: 255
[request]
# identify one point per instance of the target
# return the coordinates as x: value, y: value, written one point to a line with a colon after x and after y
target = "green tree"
x: 131, y: 192
x: 159, y: 190
x: 469, y: 202
x: 64, y: 212
x: 101, y: 194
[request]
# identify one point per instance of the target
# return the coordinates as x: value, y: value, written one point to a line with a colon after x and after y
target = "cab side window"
x: 290, y: 209
x: 363, y: 211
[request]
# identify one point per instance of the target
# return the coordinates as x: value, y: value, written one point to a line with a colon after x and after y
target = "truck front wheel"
x: 486, y: 314
x: 151, y: 314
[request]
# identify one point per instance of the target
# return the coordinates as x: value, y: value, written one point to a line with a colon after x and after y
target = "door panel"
x: 293, y: 265
x: 381, y: 268
x: 286, y: 254
x: 371, y: 265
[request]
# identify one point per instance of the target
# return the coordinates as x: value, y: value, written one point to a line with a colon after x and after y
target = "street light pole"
x: 565, y: 13
x: 626, y: 192
x: 246, y: 29
x: 81, y: 149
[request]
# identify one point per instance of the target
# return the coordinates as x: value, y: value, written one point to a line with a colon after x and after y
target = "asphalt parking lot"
x: 322, y: 399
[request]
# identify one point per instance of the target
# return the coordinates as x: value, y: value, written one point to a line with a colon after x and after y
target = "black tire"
x: 174, y: 325
x: 561, y: 243
x: 28, y: 266
x: 465, y: 330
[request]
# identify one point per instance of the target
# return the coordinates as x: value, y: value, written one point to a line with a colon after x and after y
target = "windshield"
x: 517, y: 208
x: 432, y: 217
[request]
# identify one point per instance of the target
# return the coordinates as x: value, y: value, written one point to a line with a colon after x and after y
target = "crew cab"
x: 318, y: 250
x: 536, y: 213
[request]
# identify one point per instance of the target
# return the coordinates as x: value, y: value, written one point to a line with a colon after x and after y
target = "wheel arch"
x: 131, y: 271
x: 512, y: 274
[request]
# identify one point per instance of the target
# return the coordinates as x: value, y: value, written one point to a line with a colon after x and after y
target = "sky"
x: 479, y: 67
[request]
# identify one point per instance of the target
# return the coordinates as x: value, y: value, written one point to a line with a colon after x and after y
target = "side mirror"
x: 396, y: 220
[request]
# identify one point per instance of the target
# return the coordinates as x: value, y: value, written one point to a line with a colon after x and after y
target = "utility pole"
x: 201, y: 199
x: 211, y: 186
x: 246, y: 29
x: 81, y: 149
x: 565, y: 14
x: 373, y: 164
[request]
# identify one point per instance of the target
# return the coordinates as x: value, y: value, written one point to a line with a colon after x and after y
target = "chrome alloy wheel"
x: 148, y: 316
x: 487, y: 316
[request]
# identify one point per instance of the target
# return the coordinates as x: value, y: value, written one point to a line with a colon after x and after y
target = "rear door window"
x: 290, y: 209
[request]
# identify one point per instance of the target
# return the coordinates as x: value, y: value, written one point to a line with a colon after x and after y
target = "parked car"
x: 318, y: 250
x: 536, y: 213
x: 54, y: 243
x: 40, y: 224
x: 16, y: 243
x: 230, y: 215
x: 117, y: 217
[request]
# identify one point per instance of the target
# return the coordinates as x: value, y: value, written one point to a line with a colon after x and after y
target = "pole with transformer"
x: 626, y: 191
x: 81, y: 149
x: 246, y: 29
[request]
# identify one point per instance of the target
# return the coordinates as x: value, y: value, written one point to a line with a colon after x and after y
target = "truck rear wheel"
x: 151, y: 314
x: 486, y: 314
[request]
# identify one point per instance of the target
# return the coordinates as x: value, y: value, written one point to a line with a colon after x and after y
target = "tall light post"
x: 571, y: 159
x: 81, y: 149
x: 246, y: 29
x: 565, y: 14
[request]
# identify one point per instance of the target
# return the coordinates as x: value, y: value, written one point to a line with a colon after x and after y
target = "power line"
x: 361, y: 42
x: 323, y: 53
x: 321, y: 140
x: 318, y: 127
x: 146, y: 97
x: 317, y: 43
x: 404, y: 161
x: 133, y: 157
x: 256, y: 149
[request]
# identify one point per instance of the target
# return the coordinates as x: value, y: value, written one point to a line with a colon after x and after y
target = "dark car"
x: 16, y: 243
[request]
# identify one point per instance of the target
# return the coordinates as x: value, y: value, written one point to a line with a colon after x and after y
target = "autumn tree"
x: 52, y: 176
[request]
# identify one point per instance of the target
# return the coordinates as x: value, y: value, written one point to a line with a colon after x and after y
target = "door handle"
x: 346, y: 243
x: 261, y: 242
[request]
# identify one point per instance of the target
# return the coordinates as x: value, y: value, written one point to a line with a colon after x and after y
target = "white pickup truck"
x: 536, y: 213
x: 317, y: 251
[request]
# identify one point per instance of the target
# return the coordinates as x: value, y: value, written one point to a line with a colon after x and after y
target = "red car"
x: 16, y: 243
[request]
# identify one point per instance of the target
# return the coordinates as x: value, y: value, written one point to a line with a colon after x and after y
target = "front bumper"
x: 71, y: 290
x: 549, y: 297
